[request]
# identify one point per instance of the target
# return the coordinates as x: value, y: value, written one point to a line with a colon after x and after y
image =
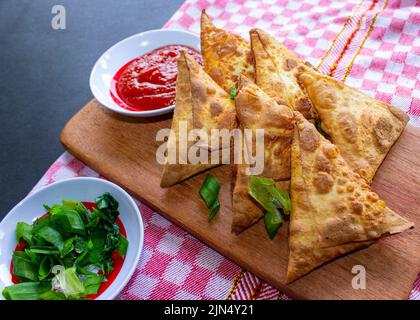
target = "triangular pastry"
x: 200, y: 104
x: 275, y: 72
x: 334, y: 210
x: 363, y: 128
x: 255, y: 110
x: 245, y: 211
x: 226, y: 55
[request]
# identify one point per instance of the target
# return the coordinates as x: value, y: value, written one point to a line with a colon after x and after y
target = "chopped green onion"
x: 214, y: 210
x: 108, y: 205
x: 69, y: 283
x: 52, y: 236
x: 27, y: 290
x: 24, y: 232
x: 318, y: 126
x: 122, y: 246
x: 282, y: 200
x: 52, y: 295
x: 23, y: 267
x: 264, y: 191
x: 233, y: 92
x: 209, y: 191
x: 82, y: 242
x: 272, y: 223
x: 45, y: 268
x: 43, y: 250
x: 92, y: 283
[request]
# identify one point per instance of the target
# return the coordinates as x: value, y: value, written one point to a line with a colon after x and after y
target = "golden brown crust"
x: 245, y: 210
x: 226, y: 55
x: 298, y: 266
x: 255, y: 110
x: 334, y: 211
x: 212, y: 107
x: 197, y: 95
x: 398, y: 113
x: 275, y: 73
x: 363, y: 128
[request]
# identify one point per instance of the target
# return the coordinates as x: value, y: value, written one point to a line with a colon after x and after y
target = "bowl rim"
x: 139, y: 248
x: 120, y: 110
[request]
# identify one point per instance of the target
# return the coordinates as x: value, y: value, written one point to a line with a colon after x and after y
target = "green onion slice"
x: 233, y: 92
x: 264, y: 191
x: 272, y: 223
x: 318, y: 126
x: 209, y: 191
x: 214, y: 210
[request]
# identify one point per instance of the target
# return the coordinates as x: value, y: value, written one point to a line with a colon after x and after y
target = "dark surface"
x: 44, y: 75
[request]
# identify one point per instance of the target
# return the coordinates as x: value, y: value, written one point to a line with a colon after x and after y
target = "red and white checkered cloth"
x: 373, y: 45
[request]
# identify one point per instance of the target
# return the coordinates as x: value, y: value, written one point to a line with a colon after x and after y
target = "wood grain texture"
x: 123, y: 150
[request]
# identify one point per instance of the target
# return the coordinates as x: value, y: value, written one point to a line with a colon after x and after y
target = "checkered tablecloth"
x: 373, y: 45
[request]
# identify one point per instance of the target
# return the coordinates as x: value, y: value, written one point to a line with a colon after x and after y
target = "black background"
x: 44, y: 75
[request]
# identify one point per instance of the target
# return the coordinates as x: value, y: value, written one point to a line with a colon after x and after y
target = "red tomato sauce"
x: 118, y: 260
x: 148, y: 82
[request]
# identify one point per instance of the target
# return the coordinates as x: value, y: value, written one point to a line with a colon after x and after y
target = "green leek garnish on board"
x: 209, y: 192
x: 272, y: 199
x: 272, y: 222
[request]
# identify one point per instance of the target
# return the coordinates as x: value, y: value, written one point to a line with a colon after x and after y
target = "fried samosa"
x: 255, y: 110
x: 363, y: 128
x: 275, y: 73
x: 334, y: 210
x: 200, y: 104
x: 226, y: 55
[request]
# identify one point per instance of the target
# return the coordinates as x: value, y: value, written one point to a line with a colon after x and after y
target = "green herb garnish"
x: 27, y: 290
x: 80, y: 243
x: 233, y: 92
x: 272, y: 199
x: 209, y: 192
x: 214, y: 210
x: 272, y: 222
x: 318, y: 126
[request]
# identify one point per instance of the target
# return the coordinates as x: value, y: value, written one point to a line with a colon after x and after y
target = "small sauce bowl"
x: 126, y: 50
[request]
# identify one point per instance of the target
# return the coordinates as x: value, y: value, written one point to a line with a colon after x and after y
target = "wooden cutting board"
x: 123, y: 150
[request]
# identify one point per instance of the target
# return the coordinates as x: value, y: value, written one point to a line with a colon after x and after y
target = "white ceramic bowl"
x: 79, y: 189
x: 126, y: 50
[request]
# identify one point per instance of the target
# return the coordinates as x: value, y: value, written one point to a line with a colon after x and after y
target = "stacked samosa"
x: 200, y: 104
x: 334, y: 210
x: 276, y: 69
x: 226, y: 55
x: 255, y: 110
x: 363, y: 128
